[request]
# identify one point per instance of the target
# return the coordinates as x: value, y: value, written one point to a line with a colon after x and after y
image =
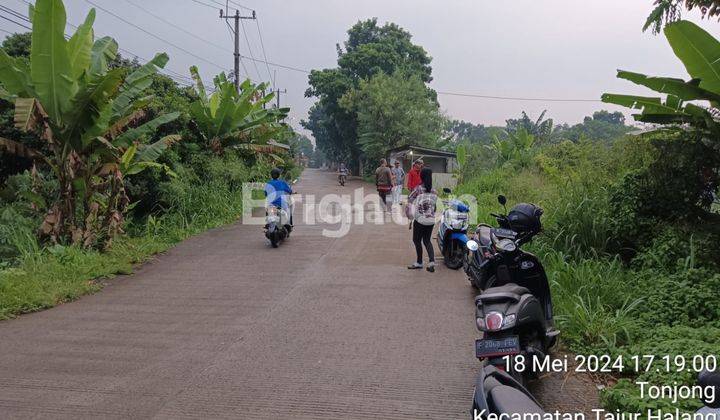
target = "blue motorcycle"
x: 452, y: 234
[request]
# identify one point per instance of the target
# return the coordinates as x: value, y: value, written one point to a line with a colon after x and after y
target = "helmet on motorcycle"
x: 275, y: 173
x: 525, y: 218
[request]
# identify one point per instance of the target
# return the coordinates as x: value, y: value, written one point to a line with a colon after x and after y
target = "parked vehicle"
x: 496, y: 392
x: 452, y: 234
x: 278, y: 222
x: 514, y: 310
x: 342, y: 178
x: 708, y: 379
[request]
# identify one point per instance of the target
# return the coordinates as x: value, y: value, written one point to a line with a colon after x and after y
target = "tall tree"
x: 394, y: 110
x: 369, y: 50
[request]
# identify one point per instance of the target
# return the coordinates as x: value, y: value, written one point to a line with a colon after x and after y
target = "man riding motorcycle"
x: 277, y: 193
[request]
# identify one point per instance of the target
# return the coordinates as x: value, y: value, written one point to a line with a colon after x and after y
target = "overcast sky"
x: 524, y: 48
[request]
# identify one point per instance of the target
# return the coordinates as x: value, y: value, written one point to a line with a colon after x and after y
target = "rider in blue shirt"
x: 277, y: 192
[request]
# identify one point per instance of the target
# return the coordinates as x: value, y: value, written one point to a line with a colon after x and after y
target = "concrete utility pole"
x: 237, y: 17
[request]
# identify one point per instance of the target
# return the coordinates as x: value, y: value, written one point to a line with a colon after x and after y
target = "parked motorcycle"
x: 496, y: 392
x: 452, y: 233
x: 514, y: 310
x: 278, y: 222
x: 342, y: 178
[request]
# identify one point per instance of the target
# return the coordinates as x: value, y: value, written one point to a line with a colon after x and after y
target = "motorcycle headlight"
x: 472, y: 245
x: 506, y: 245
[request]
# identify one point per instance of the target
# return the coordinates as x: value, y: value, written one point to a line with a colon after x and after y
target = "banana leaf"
x: 136, y: 83
x: 199, y: 85
x: 103, y: 51
x: 647, y: 104
x: 699, y: 52
x: 13, y: 77
x: 687, y: 91
x: 130, y: 136
x: 80, y: 46
x: 151, y: 152
x: 87, y: 108
x: 50, y: 69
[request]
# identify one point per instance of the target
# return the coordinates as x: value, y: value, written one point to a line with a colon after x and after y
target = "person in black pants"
x: 423, y: 202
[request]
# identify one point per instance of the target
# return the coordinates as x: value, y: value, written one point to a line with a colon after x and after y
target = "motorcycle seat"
x: 484, y: 232
x: 508, y: 400
x: 508, y: 291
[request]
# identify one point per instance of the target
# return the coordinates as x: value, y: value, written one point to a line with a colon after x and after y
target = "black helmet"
x: 275, y: 173
x: 525, y: 218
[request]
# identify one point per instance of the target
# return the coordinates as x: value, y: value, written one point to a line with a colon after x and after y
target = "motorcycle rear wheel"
x: 454, y: 256
x: 275, y: 239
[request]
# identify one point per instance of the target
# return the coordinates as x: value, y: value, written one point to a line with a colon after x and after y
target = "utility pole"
x: 236, y: 31
x: 277, y: 97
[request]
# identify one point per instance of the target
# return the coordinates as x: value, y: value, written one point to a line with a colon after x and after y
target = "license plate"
x: 462, y: 216
x: 497, y: 347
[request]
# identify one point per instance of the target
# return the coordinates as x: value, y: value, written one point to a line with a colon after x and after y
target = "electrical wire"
x: 14, y: 13
x: 175, y: 76
x: 153, y: 35
x: 15, y: 22
x: 510, y: 98
x: 180, y: 28
x: 247, y: 42
x: 262, y: 44
x: 234, y: 3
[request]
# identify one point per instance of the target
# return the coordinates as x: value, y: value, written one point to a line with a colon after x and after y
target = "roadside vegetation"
x: 632, y: 225
x: 104, y: 161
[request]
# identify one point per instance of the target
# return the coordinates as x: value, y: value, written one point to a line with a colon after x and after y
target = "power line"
x: 509, y: 98
x: 247, y: 42
x: 15, y: 22
x: 234, y: 3
x: 175, y: 76
x: 266, y: 62
x: 180, y: 28
x: 6, y: 32
x: 14, y: 13
x: 262, y: 44
x: 154, y: 36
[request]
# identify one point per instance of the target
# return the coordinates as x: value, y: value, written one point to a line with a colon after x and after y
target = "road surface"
x: 223, y: 326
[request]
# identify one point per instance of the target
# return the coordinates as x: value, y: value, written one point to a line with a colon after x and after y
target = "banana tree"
x: 229, y: 117
x: 694, y: 103
x: 89, y: 117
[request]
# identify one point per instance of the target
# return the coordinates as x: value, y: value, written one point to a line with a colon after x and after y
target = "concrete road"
x: 223, y: 326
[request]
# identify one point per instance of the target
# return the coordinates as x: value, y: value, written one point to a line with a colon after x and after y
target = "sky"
x: 562, y: 49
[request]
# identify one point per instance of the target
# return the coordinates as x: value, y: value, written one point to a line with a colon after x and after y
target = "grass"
x: 659, y: 304
x: 42, y: 278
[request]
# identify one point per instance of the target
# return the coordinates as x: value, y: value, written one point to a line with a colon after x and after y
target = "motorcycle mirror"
x: 472, y: 245
x: 294, y: 181
x: 502, y: 200
x: 447, y: 190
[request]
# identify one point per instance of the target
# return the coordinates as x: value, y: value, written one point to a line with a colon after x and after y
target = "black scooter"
x: 497, y: 393
x: 514, y: 310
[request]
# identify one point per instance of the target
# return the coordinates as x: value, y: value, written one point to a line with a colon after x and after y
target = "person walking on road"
x: 413, y: 177
x: 422, y: 202
x: 383, y: 182
x: 399, y: 182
